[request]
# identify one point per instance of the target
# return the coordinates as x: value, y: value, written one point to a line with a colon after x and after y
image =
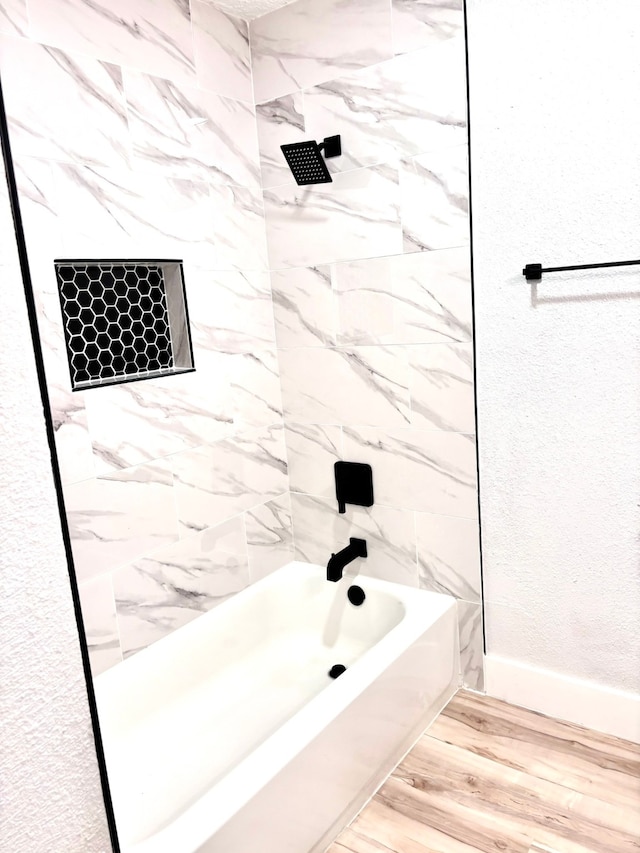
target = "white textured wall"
x: 556, y: 179
x: 50, y: 795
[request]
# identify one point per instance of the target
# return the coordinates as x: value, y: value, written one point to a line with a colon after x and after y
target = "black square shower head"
x: 306, y: 161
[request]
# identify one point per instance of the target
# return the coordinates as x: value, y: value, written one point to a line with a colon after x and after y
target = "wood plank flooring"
x: 489, y: 777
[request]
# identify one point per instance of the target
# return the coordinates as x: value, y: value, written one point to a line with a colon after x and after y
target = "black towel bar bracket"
x: 533, y: 272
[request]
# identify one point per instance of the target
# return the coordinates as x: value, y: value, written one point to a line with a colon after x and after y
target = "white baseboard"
x: 582, y: 702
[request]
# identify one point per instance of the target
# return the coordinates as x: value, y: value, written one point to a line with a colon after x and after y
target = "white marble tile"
x: 319, y: 531
x: 100, y: 623
x: 364, y: 300
x: 355, y: 216
x: 43, y: 237
x: 269, y: 537
x: 221, y: 45
x: 158, y: 594
x: 280, y: 122
x: 190, y: 133
x: 138, y: 422
x: 143, y: 34
x: 406, y: 106
x: 13, y: 17
x: 435, y: 200
x: 256, y: 397
x: 432, y: 297
x: 424, y: 23
x: 216, y: 482
x: 471, y: 645
x: 449, y: 555
x: 441, y: 386
x: 230, y: 311
x: 303, y: 304
x: 137, y: 214
x: 422, y: 297
x: 113, y: 520
x: 364, y: 385
x: 73, y: 442
x: 68, y: 411
x: 310, y: 41
x: 312, y: 451
x: 424, y: 470
x: 237, y: 229
x: 130, y: 214
x: 63, y: 107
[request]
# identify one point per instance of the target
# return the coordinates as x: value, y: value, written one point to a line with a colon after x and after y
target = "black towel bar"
x: 533, y: 272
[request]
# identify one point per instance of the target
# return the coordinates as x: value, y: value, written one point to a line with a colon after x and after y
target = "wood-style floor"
x: 490, y: 777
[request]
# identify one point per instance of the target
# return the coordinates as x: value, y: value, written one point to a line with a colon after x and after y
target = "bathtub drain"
x: 336, y: 670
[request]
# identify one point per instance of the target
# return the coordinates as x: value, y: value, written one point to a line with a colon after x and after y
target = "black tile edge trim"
x: 55, y: 467
x: 473, y: 314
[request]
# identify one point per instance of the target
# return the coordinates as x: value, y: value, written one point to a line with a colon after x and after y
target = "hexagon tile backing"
x: 123, y: 320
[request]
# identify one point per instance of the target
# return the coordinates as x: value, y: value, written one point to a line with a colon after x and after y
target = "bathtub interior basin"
x: 199, y: 722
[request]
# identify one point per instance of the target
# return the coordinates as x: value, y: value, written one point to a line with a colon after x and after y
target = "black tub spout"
x: 337, y: 563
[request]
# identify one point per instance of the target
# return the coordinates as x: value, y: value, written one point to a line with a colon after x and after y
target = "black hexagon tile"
x: 123, y: 320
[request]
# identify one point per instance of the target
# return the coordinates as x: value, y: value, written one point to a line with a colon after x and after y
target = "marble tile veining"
x: 449, y: 555
x: 422, y: 23
x: 280, y: 121
x: 191, y: 133
x: 319, y: 530
x: 312, y: 451
x: 62, y: 106
x: 441, y: 386
x: 310, y: 41
x: 403, y: 107
x: 424, y: 470
x: 236, y: 229
x: 230, y: 311
x: 100, y: 623
x: 256, y: 397
x: 160, y: 593
x: 114, y: 519
x: 215, y: 482
x: 221, y: 44
x: 121, y: 213
x: 363, y: 385
x: 432, y: 297
x: 13, y: 17
x: 418, y: 298
x: 141, y: 421
x: 303, y: 304
x: 70, y: 423
x: 269, y: 537
x: 150, y: 36
x: 355, y: 216
x: 364, y: 301
x: 471, y: 644
x: 435, y: 200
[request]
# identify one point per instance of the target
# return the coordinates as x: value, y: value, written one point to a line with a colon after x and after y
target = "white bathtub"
x: 228, y: 736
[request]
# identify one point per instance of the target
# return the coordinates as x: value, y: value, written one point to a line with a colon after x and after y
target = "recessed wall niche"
x: 123, y: 320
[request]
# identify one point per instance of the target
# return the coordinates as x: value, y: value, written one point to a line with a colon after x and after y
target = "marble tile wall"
x: 152, y: 129
x: 371, y: 285
x: 134, y: 134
